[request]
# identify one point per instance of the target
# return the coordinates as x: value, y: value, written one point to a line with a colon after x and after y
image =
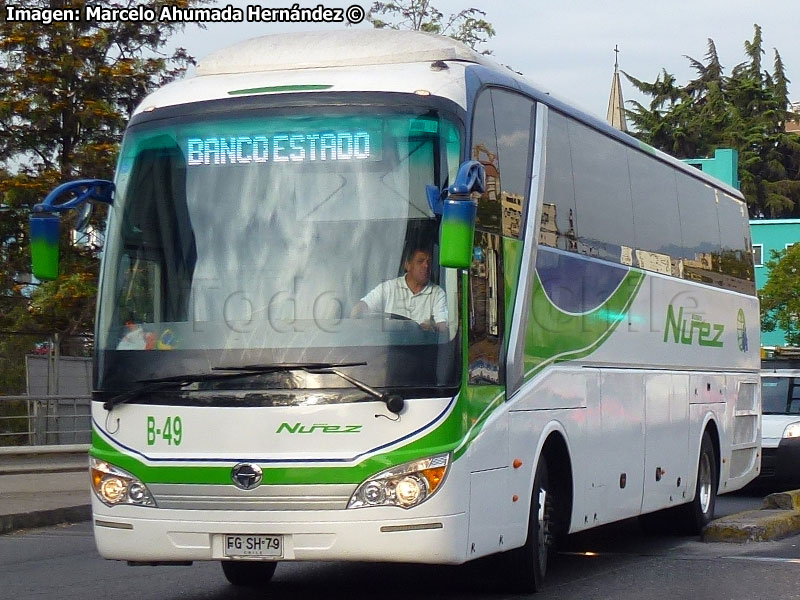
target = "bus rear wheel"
x: 248, y: 573
x: 699, y: 512
x: 528, y: 564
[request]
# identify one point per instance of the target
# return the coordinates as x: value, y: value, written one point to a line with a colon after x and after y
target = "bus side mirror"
x: 45, y: 224
x: 45, y: 233
x: 457, y: 233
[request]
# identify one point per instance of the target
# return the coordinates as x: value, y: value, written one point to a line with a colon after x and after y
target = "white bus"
x: 592, y: 353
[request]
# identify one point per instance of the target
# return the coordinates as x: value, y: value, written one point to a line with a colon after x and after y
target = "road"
x: 616, y: 561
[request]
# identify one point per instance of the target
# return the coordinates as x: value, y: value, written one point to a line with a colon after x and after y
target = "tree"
x: 467, y: 26
x: 66, y: 91
x: 747, y: 111
x: 780, y: 296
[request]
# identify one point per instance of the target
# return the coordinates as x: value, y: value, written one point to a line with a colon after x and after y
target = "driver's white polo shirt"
x: 394, y: 296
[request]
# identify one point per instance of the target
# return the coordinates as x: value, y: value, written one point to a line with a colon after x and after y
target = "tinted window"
x: 484, y: 150
x: 602, y: 195
x: 486, y: 312
x: 513, y: 115
x: 657, y: 224
x: 619, y: 204
x: 699, y: 229
x: 735, y: 258
x: 558, y: 227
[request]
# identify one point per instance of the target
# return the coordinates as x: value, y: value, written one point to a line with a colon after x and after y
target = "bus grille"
x: 263, y: 498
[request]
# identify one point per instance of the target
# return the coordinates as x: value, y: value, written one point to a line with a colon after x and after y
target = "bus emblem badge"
x: 246, y: 476
x: 741, y: 331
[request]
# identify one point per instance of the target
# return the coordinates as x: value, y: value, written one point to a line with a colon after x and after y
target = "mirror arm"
x: 85, y: 190
x: 471, y: 178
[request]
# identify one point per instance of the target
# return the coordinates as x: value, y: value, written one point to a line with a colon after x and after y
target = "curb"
x: 45, y: 518
x: 778, y: 518
x: 43, y: 469
x: 80, y: 449
x: 785, y: 500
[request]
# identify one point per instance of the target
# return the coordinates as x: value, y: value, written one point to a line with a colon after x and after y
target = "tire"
x: 527, y: 566
x: 699, y: 512
x: 248, y: 573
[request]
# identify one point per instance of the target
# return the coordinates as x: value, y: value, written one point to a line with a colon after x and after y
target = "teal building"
x: 769, y: 235
x: 724, y: 166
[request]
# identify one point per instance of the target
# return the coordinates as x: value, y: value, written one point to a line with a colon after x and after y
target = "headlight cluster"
x: 114, y: 486
x: 792, y: 430
x: 405, y: 485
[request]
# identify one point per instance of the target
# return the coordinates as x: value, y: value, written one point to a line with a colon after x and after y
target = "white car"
x: 780, y: 427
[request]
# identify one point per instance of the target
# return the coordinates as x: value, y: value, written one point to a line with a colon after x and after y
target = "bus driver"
x: 412, y: 295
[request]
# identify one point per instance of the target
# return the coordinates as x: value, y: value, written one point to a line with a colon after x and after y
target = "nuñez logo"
x: 318, y: 428
x: 692, y: 331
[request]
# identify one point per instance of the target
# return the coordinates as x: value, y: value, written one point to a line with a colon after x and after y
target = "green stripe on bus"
x: 555, y: 336
x: 440, y: 440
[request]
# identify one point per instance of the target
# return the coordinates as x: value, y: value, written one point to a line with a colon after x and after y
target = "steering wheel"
x: 396, y: 317
x: 386, y: 315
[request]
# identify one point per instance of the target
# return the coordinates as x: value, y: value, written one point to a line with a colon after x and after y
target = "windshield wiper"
x: 173, y: 381
x: 394, y: 402
x: 278, y: 367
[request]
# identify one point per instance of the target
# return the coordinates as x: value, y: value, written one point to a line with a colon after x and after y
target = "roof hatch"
x: 336, y: 48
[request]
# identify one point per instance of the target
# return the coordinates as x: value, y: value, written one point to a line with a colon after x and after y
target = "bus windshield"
x: 249, y: 236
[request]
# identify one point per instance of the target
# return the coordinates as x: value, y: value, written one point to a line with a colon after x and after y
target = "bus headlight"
x: 792, y: 430
x: 406, y: 485
x: 114, y: 486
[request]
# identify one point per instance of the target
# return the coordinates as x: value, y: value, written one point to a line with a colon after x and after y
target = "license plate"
x: 253, y: 545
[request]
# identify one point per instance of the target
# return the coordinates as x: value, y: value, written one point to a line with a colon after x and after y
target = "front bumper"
x: 780, y: 464
x: 158, y: 535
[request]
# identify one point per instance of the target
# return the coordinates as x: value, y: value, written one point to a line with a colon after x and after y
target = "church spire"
x: 616, y: 105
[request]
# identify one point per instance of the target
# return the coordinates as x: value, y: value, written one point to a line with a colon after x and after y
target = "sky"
x: 567, y: 47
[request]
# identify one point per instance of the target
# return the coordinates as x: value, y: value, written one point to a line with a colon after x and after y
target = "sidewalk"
x: 43, y: 488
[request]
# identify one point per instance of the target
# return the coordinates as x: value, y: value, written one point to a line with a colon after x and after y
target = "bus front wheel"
x: 528, y: 564
x: 248, y: 573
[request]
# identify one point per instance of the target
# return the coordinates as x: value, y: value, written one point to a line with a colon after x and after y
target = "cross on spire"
x: 616, y: 105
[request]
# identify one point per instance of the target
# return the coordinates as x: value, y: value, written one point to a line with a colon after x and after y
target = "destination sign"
x: 284, y: 147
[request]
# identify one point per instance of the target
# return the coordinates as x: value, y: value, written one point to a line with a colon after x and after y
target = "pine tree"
x: 746, y: 110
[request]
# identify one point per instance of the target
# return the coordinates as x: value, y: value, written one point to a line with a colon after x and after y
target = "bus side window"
x: 656, y: 220
x: 700, y: 247
x: 602, y: 195
x: 558, y: 227
x: 486, y: 303
x: 501, y: 141
x: 736, y: 253
x: 513, y: 122
x: 485, y: 313
x: 484, y: 150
